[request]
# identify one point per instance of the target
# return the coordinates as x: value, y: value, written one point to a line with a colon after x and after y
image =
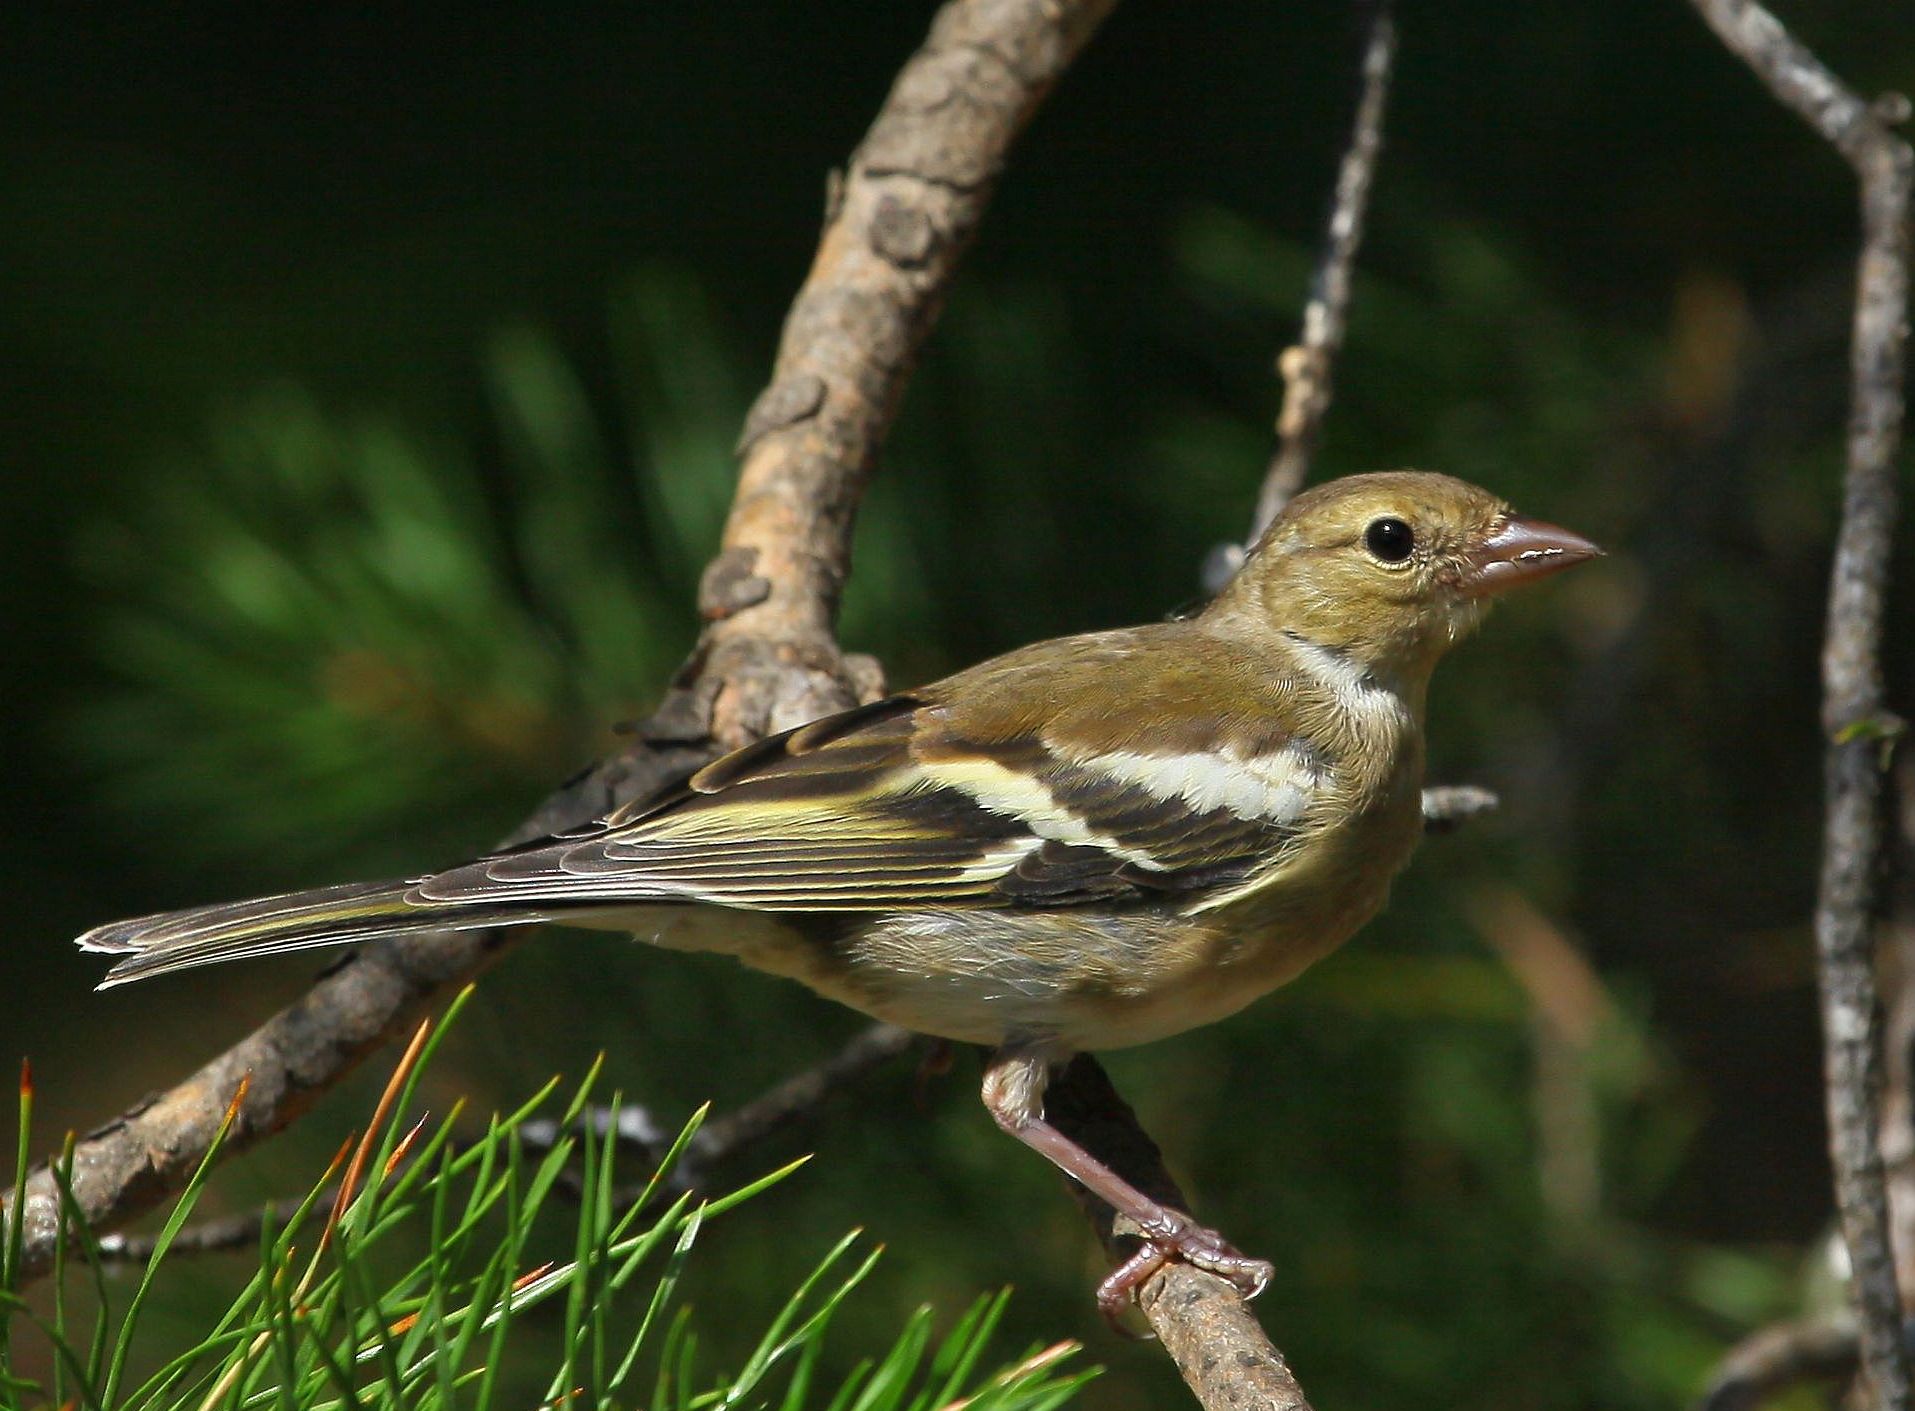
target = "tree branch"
x: 1202, y: 1321
x: 1447, y: 807
x: 220, y: 1235
x: 798, y: 1096
x: 900, y: 219
x: 1854, y: 717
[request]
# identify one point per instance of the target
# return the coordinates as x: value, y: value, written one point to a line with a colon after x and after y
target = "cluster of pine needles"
x: 412, y: 1275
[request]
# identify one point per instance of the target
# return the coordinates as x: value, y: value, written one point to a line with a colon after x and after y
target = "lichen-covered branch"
x: 915, y: 191
x: 1859, y: 730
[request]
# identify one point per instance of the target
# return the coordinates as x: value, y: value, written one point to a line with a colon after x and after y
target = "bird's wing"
x: 890, y: 806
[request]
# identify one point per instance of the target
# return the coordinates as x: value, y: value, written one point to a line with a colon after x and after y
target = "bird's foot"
x: 1178, y: 1237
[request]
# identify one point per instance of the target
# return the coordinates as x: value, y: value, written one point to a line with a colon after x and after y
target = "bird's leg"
x: 1014, y: 1082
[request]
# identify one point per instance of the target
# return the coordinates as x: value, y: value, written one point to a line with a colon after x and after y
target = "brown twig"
x: 1854, y: 716
x: 218, y: 1236
x: 899, y: 220
x: 719, y: 1141
x: 786, y: 1103
x: 1308, y: 366
x: 1447, y: 807
x: 1777, y: 1358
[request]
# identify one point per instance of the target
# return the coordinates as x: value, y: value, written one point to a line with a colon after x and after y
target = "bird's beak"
x: 1520, y: 550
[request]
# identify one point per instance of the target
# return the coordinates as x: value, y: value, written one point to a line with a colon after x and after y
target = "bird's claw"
x: 1197, y: 1246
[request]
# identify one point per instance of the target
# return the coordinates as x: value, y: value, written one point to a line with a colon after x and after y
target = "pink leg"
x: 1014, y: 1084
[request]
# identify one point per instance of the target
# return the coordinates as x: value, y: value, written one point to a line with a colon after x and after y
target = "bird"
x: 1088, y: 843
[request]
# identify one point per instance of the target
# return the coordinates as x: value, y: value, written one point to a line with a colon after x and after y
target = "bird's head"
x: 1391, y: 569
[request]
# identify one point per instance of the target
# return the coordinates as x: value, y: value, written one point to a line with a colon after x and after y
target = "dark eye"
x: 1389, y: 539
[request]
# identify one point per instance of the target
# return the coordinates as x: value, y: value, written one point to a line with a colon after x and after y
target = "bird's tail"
x: 325, y: 916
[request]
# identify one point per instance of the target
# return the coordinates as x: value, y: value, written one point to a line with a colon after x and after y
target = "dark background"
x: 369, y: 381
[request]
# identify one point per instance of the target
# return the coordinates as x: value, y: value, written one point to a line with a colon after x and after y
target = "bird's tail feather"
x: 324, y: 916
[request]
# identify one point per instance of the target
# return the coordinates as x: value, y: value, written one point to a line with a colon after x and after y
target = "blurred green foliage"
x: 365, y: 453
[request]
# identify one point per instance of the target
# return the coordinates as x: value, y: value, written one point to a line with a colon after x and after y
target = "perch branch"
x: 900, y: 218
x: 1855, y: 719
x: 1202, y: 1321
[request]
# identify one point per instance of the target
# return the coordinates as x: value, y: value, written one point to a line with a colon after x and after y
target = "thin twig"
x: 218, y: 1236
x: 786, y: 1103
x: 799, y: 1096
x: 1777, y: 1358
x: 1898, y: 978
x: 1447, y: 807
x: 1855, y: 719
x: 902, y: 215
x: 1308, y: 366
x: 720, y: 1141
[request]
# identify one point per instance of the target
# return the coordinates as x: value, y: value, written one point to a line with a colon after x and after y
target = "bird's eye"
x: 1389, y: 539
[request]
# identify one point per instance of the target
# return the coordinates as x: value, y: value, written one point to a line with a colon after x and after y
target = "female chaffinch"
x: 1087, y: 843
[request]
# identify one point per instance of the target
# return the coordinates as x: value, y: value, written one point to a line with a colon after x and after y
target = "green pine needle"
x: 431, y: 1290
